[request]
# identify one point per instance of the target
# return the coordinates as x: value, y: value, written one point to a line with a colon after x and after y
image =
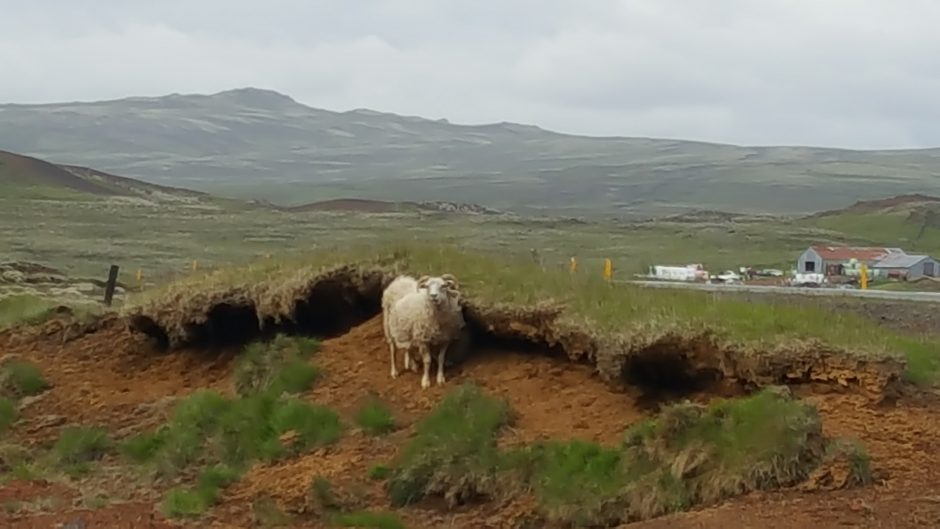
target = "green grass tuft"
x: 8, y: 414
x: 370, y: 520
x: 315, y: 425
x: 21, y: 379
x: 277, y: 366
x: 296, y: 376
x: 81, y: 444
x: 208, y: 427
x: 453, y: 452
x: 321, y: 492
x: 224, y: 436
x: 859, y: 462
x: 379, y: 472
x: 192, y: 502
x: 143, y: 447
x: 182, y: 502
x: 23, y: 309
x: 578, y: 482
x: 216, y: 478
x: 375, y: 418
x: 12, y: 457
x: 691, y: 454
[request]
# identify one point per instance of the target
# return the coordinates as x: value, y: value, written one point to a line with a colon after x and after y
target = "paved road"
x: 933, y: 297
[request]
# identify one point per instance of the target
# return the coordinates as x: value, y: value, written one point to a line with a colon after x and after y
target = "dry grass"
x: 19, y: 309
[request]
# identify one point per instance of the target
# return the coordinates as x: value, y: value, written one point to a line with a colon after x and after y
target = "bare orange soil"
x: 113, y: 378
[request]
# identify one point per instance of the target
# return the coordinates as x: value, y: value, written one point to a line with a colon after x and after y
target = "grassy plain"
x: 83, y: 238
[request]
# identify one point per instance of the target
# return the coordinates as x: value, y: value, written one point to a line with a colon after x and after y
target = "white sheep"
x: 430, y: 318
x: 397, y: 289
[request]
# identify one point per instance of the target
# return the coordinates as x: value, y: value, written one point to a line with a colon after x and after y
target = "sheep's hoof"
x: 394, y: 374
x: 440, y: 380
x: 425, y: 383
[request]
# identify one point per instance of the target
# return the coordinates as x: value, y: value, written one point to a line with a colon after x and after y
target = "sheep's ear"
x: 451, y: 281
x: 423, y: 281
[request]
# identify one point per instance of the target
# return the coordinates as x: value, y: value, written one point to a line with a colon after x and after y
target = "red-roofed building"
x: 832, y: 260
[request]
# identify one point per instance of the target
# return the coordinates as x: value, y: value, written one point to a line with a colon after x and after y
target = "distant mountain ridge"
x: 260, y: 144
x: 26, y: 177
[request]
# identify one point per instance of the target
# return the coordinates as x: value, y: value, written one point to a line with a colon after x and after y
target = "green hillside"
x: 911, y: 222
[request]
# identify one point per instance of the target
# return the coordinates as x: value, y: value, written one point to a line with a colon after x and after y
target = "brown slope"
x: 29, y: 171
x: 881, y: 205
x: 121, y: 184
x: 110, y: 378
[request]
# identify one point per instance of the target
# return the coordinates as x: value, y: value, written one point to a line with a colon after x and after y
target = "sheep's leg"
x: 408, y: 363
x: 393, y: 371
x: 426, y: 358
x: 391, y: 354
x: 440, y: 364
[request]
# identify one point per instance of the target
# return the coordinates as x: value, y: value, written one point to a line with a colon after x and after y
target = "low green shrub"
x: 375, y: 418
x: 224, y: 436
x: 21, y: 379
x: 454, y: 452
x: 8, y: 414
x: 277, y: 366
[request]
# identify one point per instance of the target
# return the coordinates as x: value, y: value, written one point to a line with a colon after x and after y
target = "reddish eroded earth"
x: 115, y: 379
x: 110, y: 378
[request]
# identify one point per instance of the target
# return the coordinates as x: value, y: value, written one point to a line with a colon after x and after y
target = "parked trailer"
x: 814, y: 280
x: 679, y: 273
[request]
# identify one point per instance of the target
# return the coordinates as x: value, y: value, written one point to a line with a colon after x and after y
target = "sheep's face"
x: 438, y: 288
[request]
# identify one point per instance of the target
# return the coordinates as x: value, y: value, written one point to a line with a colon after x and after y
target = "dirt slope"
x: 882, y: 205
x: 24, y: 170
x: 19, y: 170
x: 114, y: 378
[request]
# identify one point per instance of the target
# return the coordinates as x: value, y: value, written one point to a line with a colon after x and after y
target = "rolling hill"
x: 909, y: 221
x: 32, y: 178
x: 259, y: 144
x: 25, y: 177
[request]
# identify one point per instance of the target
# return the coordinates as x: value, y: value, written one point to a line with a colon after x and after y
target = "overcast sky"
x: 850, y: 73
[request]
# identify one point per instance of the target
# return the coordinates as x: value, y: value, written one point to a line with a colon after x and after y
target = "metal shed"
x: 907, y: 266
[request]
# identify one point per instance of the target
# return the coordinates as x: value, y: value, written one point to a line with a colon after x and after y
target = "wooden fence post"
x: 109, y: 287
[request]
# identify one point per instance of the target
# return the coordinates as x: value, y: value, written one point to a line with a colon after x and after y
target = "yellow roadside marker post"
x: 608, y: 270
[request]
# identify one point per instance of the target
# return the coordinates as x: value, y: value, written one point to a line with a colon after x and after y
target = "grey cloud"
x: 839, y: 73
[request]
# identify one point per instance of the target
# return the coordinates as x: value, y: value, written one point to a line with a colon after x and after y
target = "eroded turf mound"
x: 314, y: 301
